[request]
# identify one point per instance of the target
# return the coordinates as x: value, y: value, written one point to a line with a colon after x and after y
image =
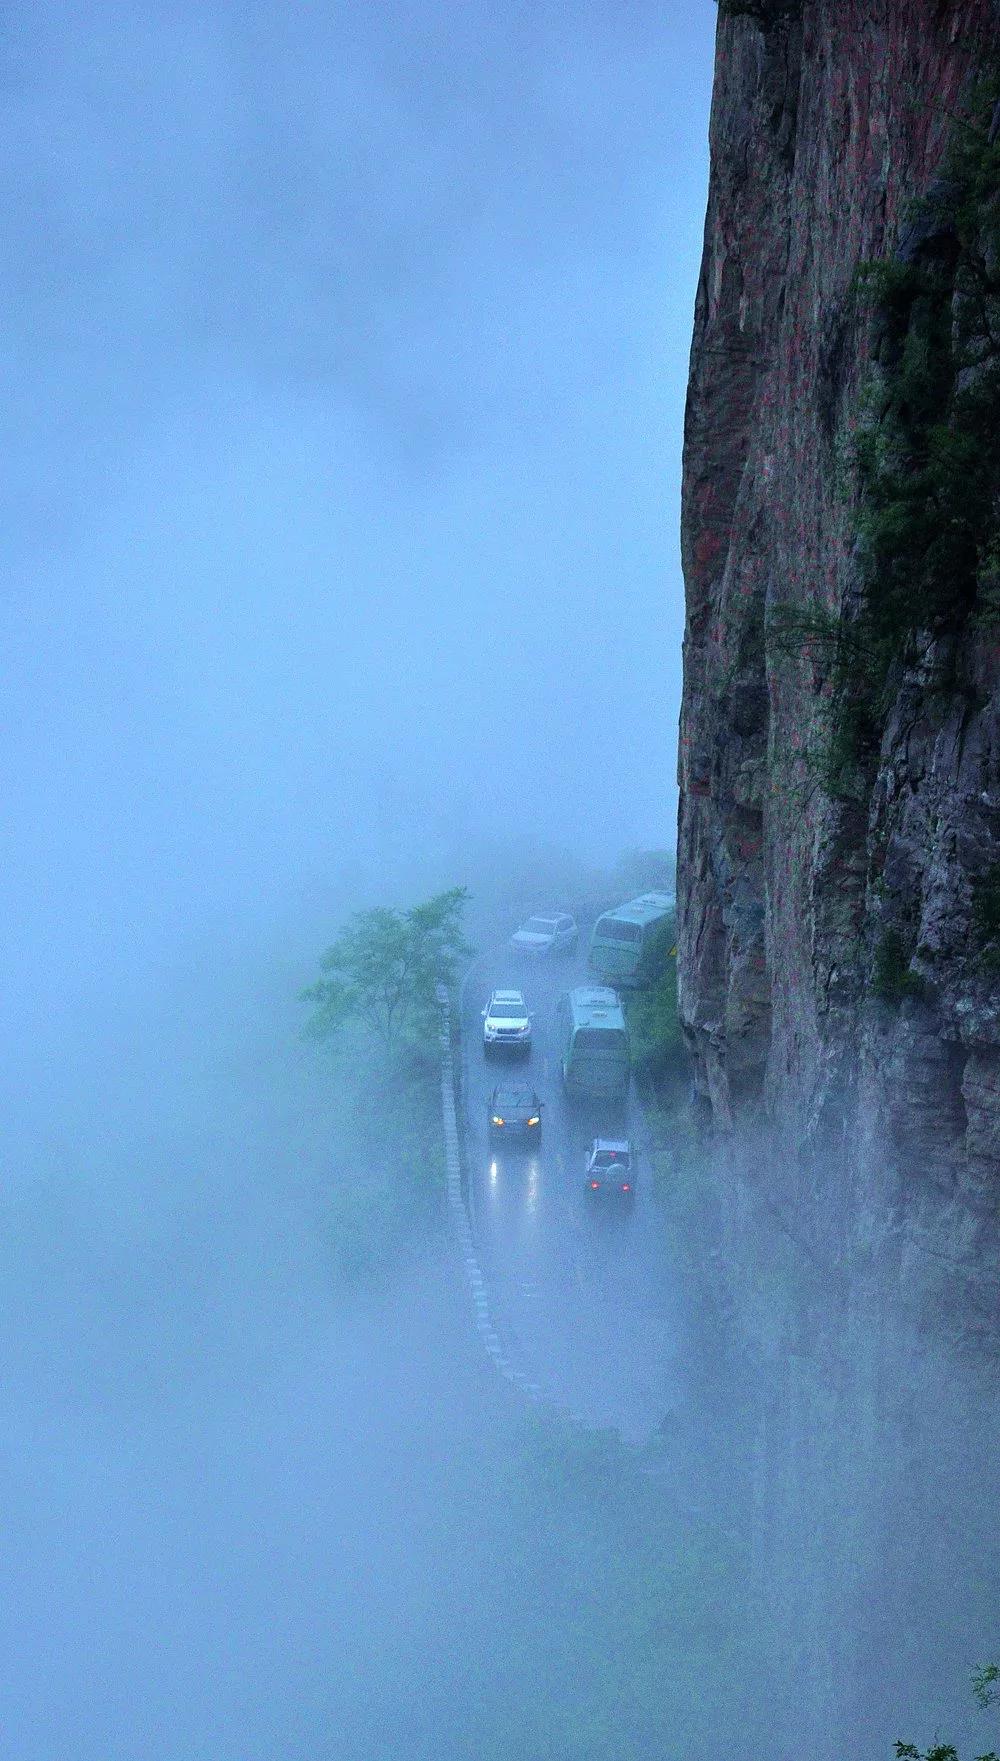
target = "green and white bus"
x: 622, y: 937
x: 593, y: 1043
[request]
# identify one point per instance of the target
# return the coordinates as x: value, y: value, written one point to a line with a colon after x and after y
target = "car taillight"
x: 594, y: 1185
x: 626, y: 1187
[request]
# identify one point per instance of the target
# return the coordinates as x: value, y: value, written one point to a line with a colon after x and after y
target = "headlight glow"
x: 497, y: 1120
x: 534, y: 1121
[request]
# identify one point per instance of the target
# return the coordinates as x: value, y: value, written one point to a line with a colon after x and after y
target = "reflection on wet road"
x: 582, y: 1290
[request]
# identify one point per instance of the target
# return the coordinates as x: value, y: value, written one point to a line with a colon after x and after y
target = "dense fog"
x: 345, y: 357
x: 259, y: 1503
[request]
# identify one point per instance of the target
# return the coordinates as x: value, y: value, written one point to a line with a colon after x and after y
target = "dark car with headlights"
x: 514, y: 1114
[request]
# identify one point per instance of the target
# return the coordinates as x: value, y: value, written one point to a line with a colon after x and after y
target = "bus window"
x: 625, y: 942
x: 611, y: 929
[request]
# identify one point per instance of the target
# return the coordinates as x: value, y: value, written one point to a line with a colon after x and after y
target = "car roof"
x: 620, y: 1145
x: 507, y: 997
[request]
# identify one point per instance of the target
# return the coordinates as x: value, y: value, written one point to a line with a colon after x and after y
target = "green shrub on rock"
x: 892, y: 976
x: 924, y: 457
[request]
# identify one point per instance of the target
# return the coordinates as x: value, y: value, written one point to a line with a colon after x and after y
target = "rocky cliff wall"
x: 839, y: 854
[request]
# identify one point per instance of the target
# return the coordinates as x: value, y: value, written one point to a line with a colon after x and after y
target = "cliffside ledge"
x: 839, y: 837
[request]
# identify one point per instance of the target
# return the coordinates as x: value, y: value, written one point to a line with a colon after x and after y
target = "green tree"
x: 384, y: 966
x: 984, y: 1685
x: 938, y: 1752
x: 985, y: 1692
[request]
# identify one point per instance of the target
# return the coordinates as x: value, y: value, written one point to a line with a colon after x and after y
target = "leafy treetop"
x: 383, y: 968
x: 985, y: 1693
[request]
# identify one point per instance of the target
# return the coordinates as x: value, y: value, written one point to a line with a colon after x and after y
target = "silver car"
x: 549, y: 933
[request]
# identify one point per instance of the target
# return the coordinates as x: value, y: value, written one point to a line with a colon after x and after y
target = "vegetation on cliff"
x: 927, y: 452
x: 986, y: 917
x: 653, y: 1023
x: 921, y: 458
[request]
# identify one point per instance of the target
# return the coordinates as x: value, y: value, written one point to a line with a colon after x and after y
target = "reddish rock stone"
x: 826, y: 120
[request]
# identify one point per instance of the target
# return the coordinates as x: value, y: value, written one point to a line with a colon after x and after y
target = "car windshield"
x: 513, y: 1099
x: 540, y: 926
x: 612, y: 929
x: 508, y: 1011
x: 610, y: 1159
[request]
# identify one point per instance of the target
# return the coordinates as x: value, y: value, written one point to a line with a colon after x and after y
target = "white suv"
x: 506, y: 1022
x: 549, y: 933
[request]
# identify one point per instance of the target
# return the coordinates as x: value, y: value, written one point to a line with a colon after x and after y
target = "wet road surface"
x: 583, y: 1291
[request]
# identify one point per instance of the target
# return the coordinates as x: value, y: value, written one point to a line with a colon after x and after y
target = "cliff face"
x: 839, y: 916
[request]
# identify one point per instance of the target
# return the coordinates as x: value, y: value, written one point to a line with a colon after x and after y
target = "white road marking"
x: 461, y: 1207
